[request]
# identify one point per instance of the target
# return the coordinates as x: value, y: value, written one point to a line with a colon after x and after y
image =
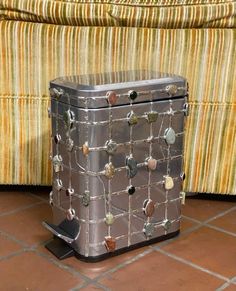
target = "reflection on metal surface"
x: 131, y: 190
x: 58, y: 184
x: 133, y: 94
x: 70, y: 191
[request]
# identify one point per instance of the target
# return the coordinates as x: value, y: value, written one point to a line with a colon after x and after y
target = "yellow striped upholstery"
x: 31, y: 54
x: 137, y: 13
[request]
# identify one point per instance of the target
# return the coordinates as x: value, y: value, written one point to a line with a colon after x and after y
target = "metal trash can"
x: 117, y: 161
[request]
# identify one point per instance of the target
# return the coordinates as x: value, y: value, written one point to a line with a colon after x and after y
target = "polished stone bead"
x: 132, y: 167
x: 166, y: 224
x: 57, y: 163
x: 169, y: 136
x: 151, y: 163
x: 169, y: 183
x: 109, y: 218
x: 148, y: 229
x: 133, y: 94
x: 131, y: 190
x: 182, y: 176
x: 70, y: 191
x: 132, y: 118
x: 111, y: 147
x: 70, y: 214
x: 69, y: 118
x: 57, y: 138
x: 182, y: 196
x: 148, y: 207
x: 186, y: 109
x: 111, y: 97
x: 110, y: 243
x: 69, y: 144
x: 109, y: 170
x: 152, y: 116
x: 171, y: 89
x: 85, y: 149
x: 86, y: 198
x: 58, y: 184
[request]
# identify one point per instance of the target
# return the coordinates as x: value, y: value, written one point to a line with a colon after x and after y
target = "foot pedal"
x: 60, y: 249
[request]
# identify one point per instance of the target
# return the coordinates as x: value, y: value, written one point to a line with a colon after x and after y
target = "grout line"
x: 96, y: 284
x: 15, y: 211
x: 13, y: 238
x: 116, y: 268
x: 40, y: 198
x: 223, y: 287
x: 14, y: 254
x: 221, y: 230
x: 195, y: 266
x: 57, y: 263
x: 220, y: 214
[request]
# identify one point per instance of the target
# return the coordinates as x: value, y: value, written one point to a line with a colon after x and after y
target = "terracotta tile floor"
x: 202, y: 257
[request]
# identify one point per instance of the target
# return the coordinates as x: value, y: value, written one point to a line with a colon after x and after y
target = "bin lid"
x: 117, y: 88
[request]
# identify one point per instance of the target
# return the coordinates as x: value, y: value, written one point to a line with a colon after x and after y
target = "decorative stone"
x: 152, y: 116
x: 85, y: 148
x: 148, y: 229
x: 166, y: 224
x: 132, y: 118
x: 58, y: 184
x: 132, y: 167
x: 109, y: 170
x: 109, y: 218
x: 182, y: 176
x: 169, y: 183
x: 57, y: 138
x: 169, y: 136
x: 49, y: 113
x: 57, y: 163
x: 148, y: 207
x: 69, y: 119
x: 111, y: 97
x: 69, y: 144
x: 70, y: 214
x: 151, y: 163
x: 51, y: 198
x: 111, y: 147
x: 131, y: 190
x: 86, y: 198
x: 56, y: 92
x: 171, y: 89
x: 182, y: 196
x: 186, y: 109
x: 110, y: 243
x: 133, y: 94
x: 70, y: 191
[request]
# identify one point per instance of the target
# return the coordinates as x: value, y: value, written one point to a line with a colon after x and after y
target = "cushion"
x: 137, y: 13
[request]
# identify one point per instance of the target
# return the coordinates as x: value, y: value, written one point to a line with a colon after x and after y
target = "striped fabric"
x: 31, y: 54
x: 153, y: 14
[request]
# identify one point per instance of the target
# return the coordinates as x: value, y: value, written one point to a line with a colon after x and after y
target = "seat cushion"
x: 137, y: 13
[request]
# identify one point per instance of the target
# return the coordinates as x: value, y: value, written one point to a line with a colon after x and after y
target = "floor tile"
x: 230, y: 288
x: 7, y: 246
x: 185, y: 224
x: 93, y: 270
x: 28, y: 271
x: 227, y: 222
x: 205, y: 209
x: 91, y: 288
x: 11, y: 201
x: 207, y: 248
x: 156, y: 271
x: 26, y: 225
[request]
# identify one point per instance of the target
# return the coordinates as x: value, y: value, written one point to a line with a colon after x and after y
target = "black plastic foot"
x: 60, y: 249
